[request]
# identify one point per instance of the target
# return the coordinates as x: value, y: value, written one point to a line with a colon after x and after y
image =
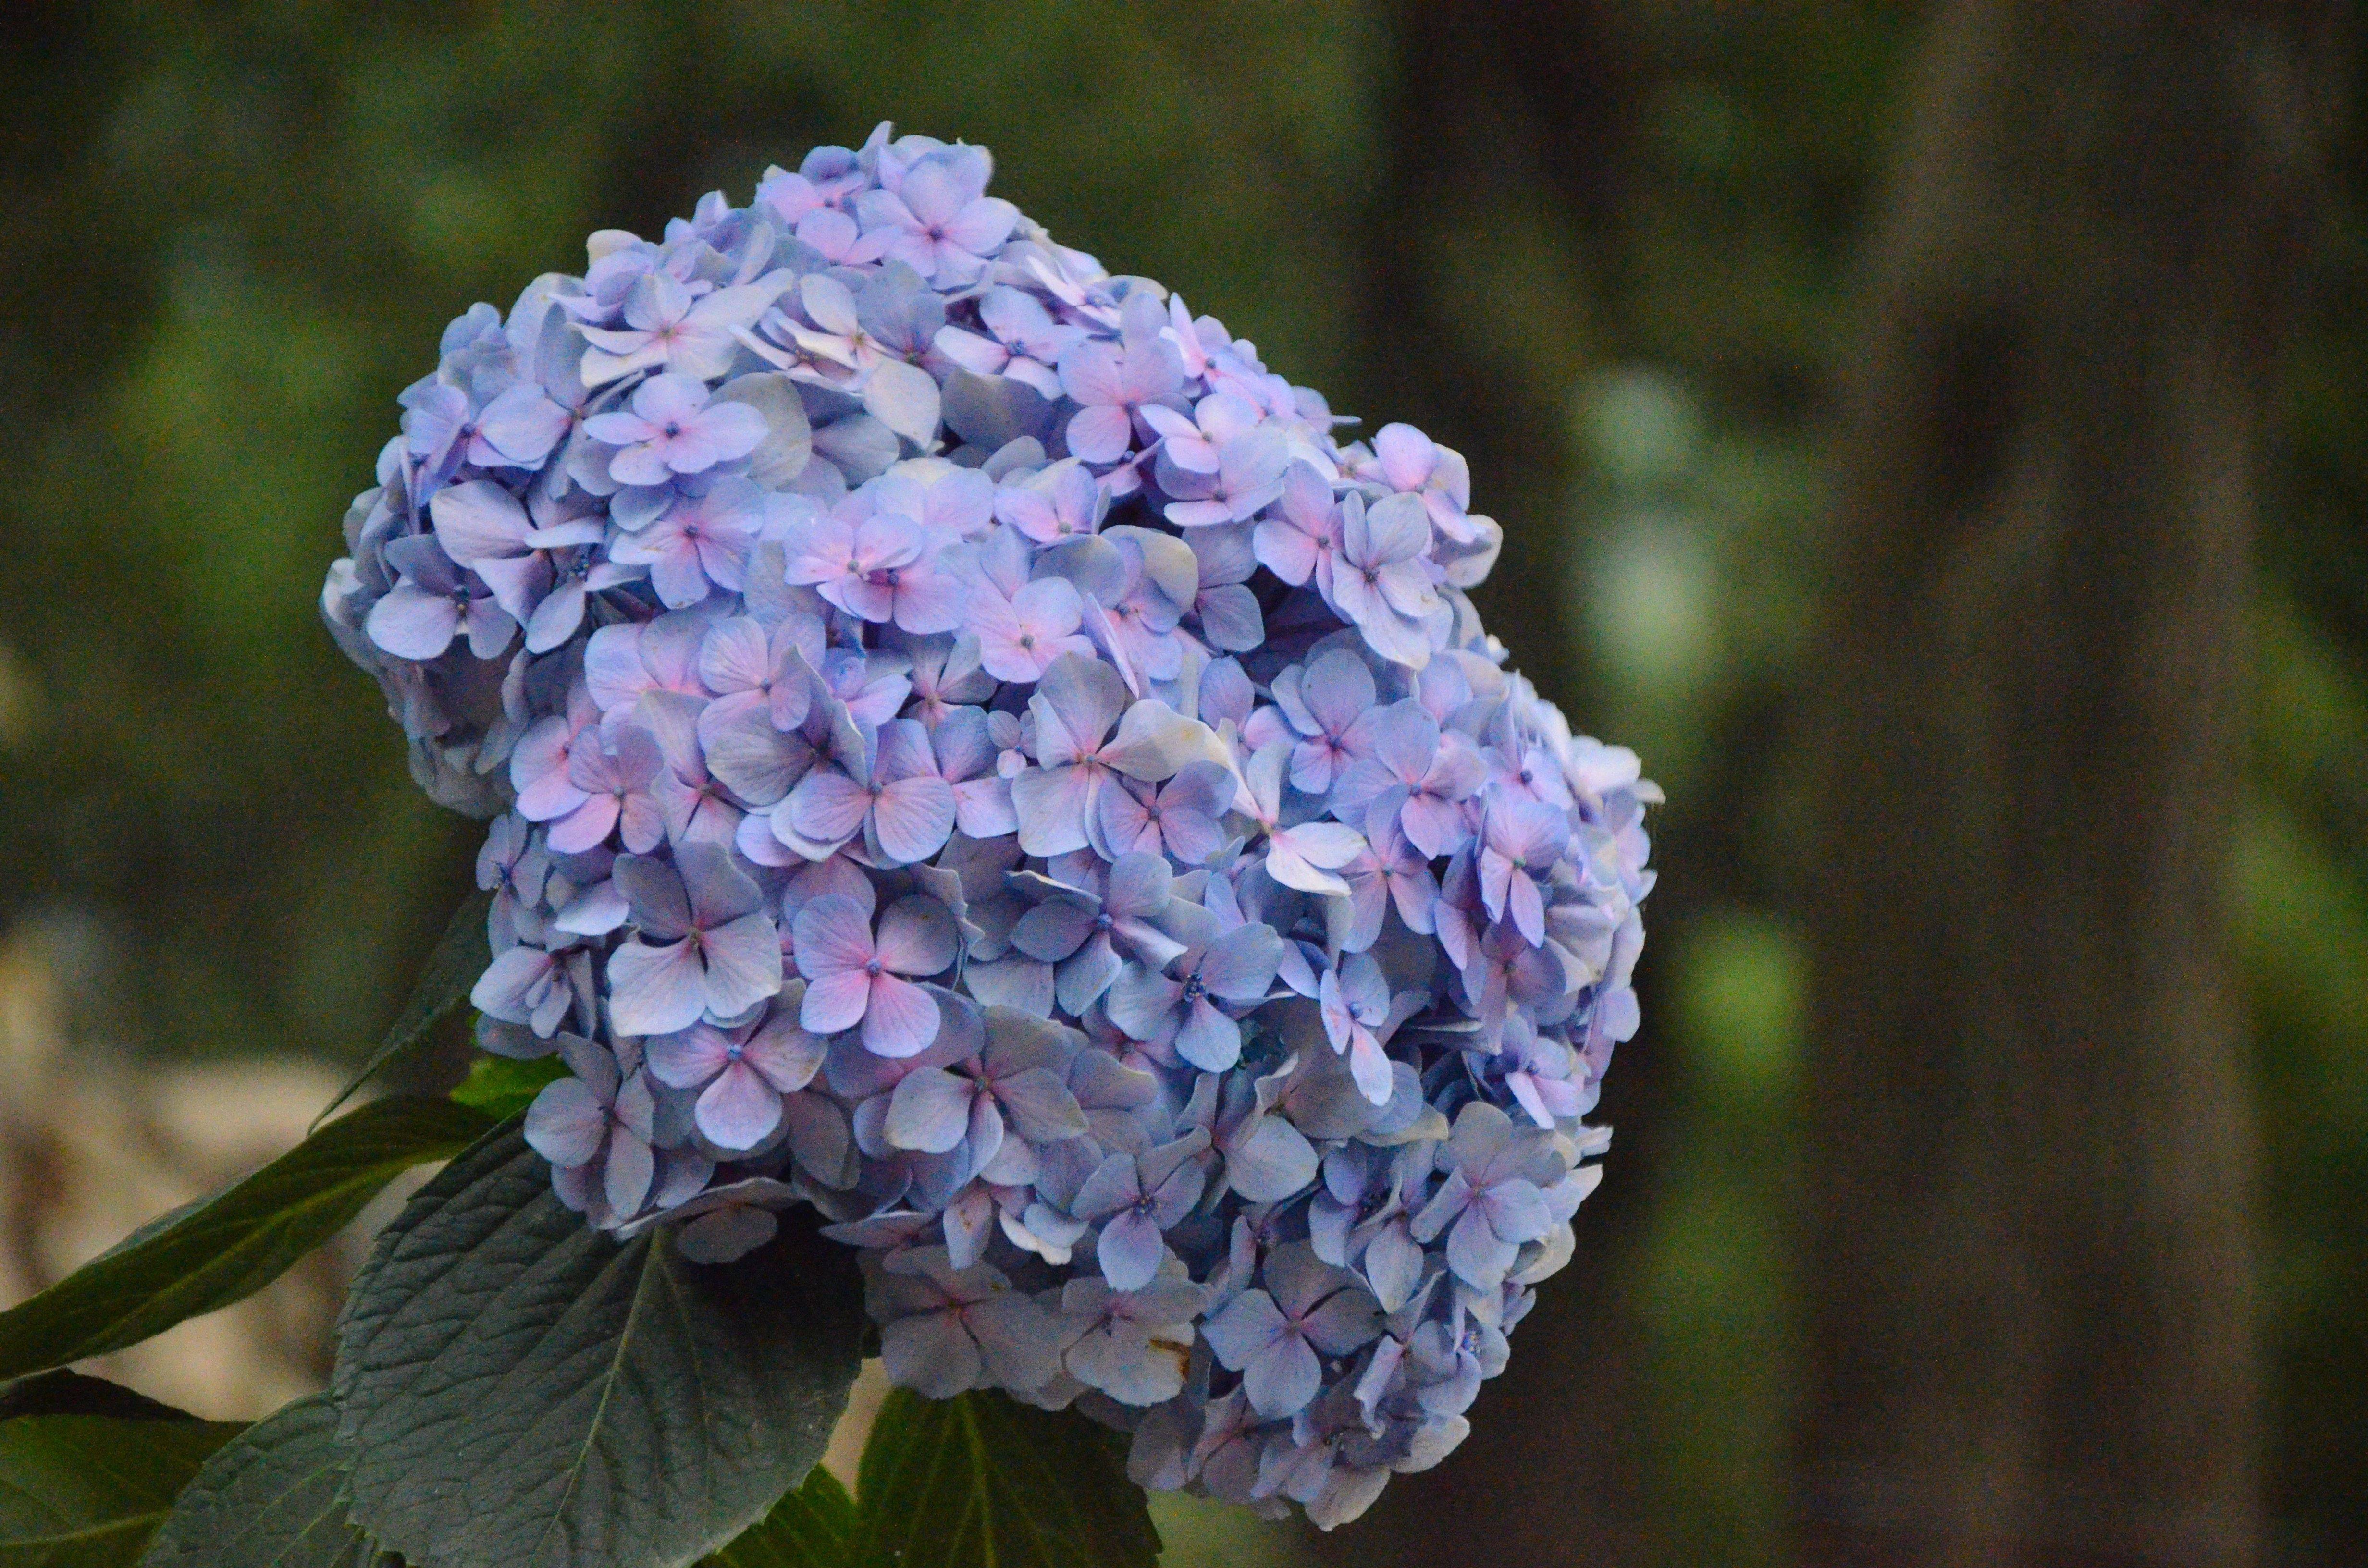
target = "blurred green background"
x: 1617, y: 278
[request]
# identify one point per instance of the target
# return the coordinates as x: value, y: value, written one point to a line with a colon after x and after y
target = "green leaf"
x: 807, y: 1528
x: 519, y: 1390
x: 275, y: 1497
x: 81, y: 1490
x: 459, y: 958
x: 224, y: 1248
x: 71, y: 1393
x: 981, y: 1481
x: 502, y: 1088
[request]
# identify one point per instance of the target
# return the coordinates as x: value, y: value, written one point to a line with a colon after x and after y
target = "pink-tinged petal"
x: 834, y: 1002
x: 518, y: 582
x: 918, y: 937
x: 913, y: 818
x: 1089, y: 373
x: 669, y: 399
x: 982, y: 225
x: 1396, y: 527
x: 1082, y: 698
x: 1100, y: 434
x: 827, y: 807
x: 734, y: 656
x: 904, y: 752
x: 587, y: 827
x: 656, y: 989
x: 477, y: 520
x: 687, y: 1059
x: 565, y: 1123
x: 1370, y: 1067
x: 786, y: 1052
x: 551, y: 796
x: 1125, y: 823
x: 930, y: 1110
x: 867, y: 600
x: 554, y: 619
x: 503, y: 991
x: 1199, y: 514
x: 1407, y: 456
x: 983, y: 808
x: 927, y: 601
x: 523, y: 424
x: 1286, y: 865
x: 1433, y: 825
x: 900, y: 1020
x: 678, y: 576
x: 744, y: 963
x: 833, y: 933
x: 1051, y: 804
x: 631, y: 1169
x: 645, y: 464
x: 732, y: 430
x: 1050, y: 606
x: 739, y: 1111
x: 411, y: 623
x: 641, y: 825
x: 1209, y: 1039
x: 1284, y: 549
x: 1054, y: 929
x: 1528, y: 909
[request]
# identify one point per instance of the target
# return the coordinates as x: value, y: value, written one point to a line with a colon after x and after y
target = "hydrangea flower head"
x: 971, y: 749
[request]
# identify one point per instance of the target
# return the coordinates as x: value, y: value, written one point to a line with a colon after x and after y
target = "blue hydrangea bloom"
x: 970, y: 749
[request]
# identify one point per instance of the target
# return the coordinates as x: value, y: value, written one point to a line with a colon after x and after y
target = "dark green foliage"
x: 503, y: 1088
x: 276, y: 1496
x: 981, y: 1481
x: 226, y: 1247
x: 808, y: 1528
x: 519, y: 1390
x: 444, y: 981
x: 88, y: 1470
x: 71, y: 1393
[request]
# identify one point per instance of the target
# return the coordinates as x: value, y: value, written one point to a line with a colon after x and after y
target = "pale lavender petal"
x: 739, y: 1111
x: 834, y: 1002
x: 913, y: 818
x: 900, y: 1020
x: 833, y: 933
x: 918, y: 937
x: 656, y: 989
x: 1129, y: 1249
x: 930, y: 1110
x: 744, y: 964
x: 565, y: 1124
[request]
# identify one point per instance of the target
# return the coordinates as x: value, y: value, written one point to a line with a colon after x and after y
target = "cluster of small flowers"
x: 970, y: 750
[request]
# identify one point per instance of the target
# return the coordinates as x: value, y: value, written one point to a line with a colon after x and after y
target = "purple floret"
x: 971, y: 748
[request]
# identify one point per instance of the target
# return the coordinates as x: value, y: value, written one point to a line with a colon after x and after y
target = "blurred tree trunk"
x: 2031, y: 1280
x: 1506, y: 129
